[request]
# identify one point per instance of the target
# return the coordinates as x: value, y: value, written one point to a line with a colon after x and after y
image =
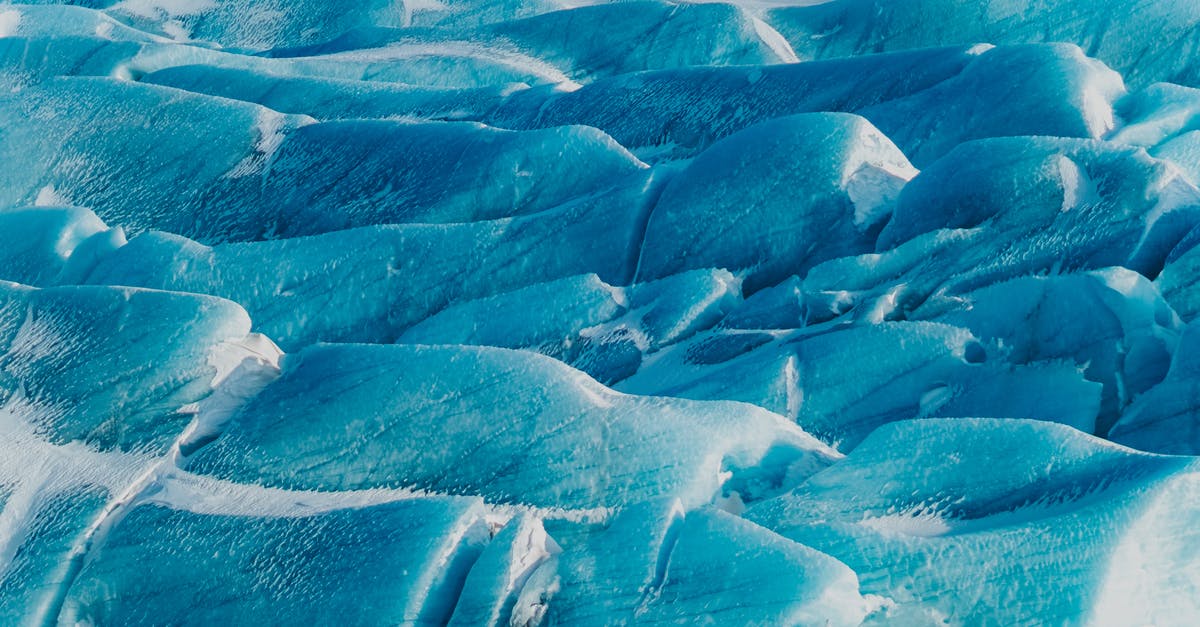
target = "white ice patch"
x: 531, y: 549
x: 1104, y: 87
x: 920, y: 523
x: 774, y: 41
x: 176, y: 30
x: 104, y: 30
x: 874, y: 188
x: 10, y: 22
x: 200, y: 494
x: 243, y: 369
x: 879, y: 172
x: 228, y: 358
x: 270, y: 127
x: 510, y: 59
x: 887, y: 304
x: 158, y: 8
x: 599, y: 395
x: 49, y: 197
x: 1078, y: 188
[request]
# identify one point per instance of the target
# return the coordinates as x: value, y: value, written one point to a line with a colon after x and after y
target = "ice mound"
x: 654, y: 564
x: 332, y: 98
x: 152, y: 159
x: 339, y: 175
x: 409, y: 271
x: 110, y: 366
x: 977, y: 517
x: 758, y: 199
x: 1114, y: 32
x: 245, y: 24
x: 440, y: 419
x: 926, y: 101
x: 599, y: 312
x: 589, y: 42
x: 222, y: 568
x: 259, y: 165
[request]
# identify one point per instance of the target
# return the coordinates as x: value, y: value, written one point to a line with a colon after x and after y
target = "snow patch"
x: 920, y: 522
x: 774, y: 41
x: 49, y: 197
x: 271, y: 130
x: 170, y: 8
x: 1078, y: 188
x: 10, y: 22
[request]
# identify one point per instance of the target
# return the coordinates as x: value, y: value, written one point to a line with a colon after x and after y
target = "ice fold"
x: 927, y: 101
x: 440, y: 419
x: 402, y: 563
x: 776, y: 199
x: 966, y: 520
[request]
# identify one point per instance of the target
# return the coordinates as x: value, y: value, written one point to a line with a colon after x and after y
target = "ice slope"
x: 50, y: 21
x: 1116, y: 32
x: 331, y: 98
x: 1001, y: 208
x: 926, y: 101
x: 38, y: 242
x: 99, y: 535
x: 545, y: 48
x: 655, y: 564
x: 1111, y: 322
x: 1177, y: 280
x: 1163, y: 420
x: 440, y: 419
x: 902, y: 371
x: 265, y: 174
x: 975, y: 519
x: 776, y: 198
x: 340, y: 175
x: 441, y: 566
x: 396, y: 563
x: 129, y: 152
x: 110, y: 366
x: 245, y: 24
x: 479, y: 12
x: 602, y: 40
x: 439, y: 64
x: 95, y: 389
x: 372, y: 283
x: 602, y: 329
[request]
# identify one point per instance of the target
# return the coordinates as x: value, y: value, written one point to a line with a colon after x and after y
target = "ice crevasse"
x: 548, y: 312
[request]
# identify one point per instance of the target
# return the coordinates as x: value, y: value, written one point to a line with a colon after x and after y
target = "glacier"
x: 599, y: 312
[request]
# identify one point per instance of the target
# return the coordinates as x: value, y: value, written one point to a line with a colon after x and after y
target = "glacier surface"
x: 599, y: 312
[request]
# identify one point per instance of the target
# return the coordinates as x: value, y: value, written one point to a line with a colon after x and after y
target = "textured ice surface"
x: 245, y: 23
x: 110, y: 366
x: 776, y: 198
x: 371, y: 283
x: 977, y: 518
x: 396, y: 563
x: 599, y: 312
x: 1114, y: 31
x: 441, y: 419
x: 926, y: 101
x: 635, y: 36
x: 902, y: 370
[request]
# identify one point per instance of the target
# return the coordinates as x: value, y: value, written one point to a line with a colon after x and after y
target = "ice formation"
x: 596, y: 312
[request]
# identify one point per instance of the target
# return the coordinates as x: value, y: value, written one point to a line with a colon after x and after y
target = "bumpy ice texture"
x: 591, y: 312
